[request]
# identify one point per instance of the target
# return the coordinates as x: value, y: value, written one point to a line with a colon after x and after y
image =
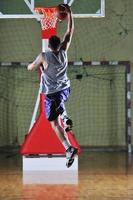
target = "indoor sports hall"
x: 100, y: 61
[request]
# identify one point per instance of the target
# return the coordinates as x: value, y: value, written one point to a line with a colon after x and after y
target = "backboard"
x: 25, y: 8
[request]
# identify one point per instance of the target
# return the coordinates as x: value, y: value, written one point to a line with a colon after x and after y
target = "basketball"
x: 62, y: 12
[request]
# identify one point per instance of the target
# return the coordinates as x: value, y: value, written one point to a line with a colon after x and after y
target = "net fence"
x: 17, y: 98
x: 96, y: 105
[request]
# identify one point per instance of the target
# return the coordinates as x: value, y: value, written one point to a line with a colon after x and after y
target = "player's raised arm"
x: 70, y: 28
x: 38, y: 61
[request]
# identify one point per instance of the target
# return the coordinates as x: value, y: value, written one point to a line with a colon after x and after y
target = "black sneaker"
x: 69, y: 162
x: 70, y: 154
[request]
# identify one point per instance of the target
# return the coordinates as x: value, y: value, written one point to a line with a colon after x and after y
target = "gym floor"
x: 102, y: 176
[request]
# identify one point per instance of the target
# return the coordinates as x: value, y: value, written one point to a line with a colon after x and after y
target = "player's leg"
x: 68, y: 123
x: 60, y: 132
x: 70, y: 150
x: 51, y: 104
x: 53, y: 108
x: 63, y: 97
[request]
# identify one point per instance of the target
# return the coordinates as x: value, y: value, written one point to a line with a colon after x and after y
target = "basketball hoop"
x: 48, y: 19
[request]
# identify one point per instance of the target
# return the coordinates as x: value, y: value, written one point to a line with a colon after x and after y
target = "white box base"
x: 50, y: 177
x: 45, y: 170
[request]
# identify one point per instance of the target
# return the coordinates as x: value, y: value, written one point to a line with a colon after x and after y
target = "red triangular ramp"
x: 42, y: 139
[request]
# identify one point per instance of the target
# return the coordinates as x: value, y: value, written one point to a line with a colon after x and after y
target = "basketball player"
x: 56, y: 84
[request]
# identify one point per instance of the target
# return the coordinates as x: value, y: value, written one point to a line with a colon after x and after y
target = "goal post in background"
x: 106, y: 96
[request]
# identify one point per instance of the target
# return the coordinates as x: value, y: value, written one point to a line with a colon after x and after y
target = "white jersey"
x: 54, y: 77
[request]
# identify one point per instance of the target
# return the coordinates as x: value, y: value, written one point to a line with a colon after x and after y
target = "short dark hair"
x: 54, y: 42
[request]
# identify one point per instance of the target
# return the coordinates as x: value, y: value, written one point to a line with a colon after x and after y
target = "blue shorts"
x: 54, y: 103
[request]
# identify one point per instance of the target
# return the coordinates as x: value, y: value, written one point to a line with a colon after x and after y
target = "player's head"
x: 54, y: 42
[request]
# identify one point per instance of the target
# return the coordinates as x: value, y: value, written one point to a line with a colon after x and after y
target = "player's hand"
x: 67, y: 7
x: 30, y: 67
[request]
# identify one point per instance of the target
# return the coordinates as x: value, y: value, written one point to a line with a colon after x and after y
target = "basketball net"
x: 48, y: 20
